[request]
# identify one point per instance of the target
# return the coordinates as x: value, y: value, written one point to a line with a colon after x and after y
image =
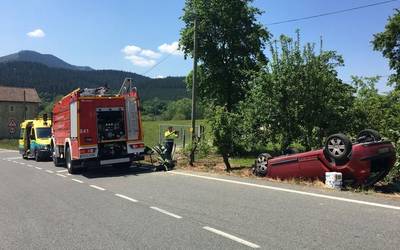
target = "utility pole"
x: 194, y: 83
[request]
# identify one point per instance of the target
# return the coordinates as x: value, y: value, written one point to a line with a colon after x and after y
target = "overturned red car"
x: 363, y: 162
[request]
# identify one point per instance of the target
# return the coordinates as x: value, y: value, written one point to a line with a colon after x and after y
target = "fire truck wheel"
x: 71, y: 164
x: 58, y: 162
x: 123, y: 166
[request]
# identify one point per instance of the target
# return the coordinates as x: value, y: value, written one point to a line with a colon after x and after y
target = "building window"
x: 11, y: 108
x: 26, y: 108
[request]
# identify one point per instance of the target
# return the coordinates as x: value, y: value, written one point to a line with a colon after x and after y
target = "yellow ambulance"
x: 35, y: 138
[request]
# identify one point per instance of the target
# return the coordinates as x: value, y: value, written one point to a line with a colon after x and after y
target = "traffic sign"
x: 12, y: 130
x: 12, y: 123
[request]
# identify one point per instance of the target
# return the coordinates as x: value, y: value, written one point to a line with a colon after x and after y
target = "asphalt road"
x: 42, y: 207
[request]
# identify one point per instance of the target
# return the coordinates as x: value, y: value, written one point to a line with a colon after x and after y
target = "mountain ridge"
x: 46, y: 59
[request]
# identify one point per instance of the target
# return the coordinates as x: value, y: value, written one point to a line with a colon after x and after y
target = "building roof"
x: 13, y: 94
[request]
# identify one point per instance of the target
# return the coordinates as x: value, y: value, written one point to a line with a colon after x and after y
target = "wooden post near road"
x: 193, y: 129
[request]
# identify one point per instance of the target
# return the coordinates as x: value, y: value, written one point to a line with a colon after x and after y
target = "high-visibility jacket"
x: 170, y: 136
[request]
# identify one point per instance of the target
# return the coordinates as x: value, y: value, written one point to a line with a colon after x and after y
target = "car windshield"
x: 43, y: 132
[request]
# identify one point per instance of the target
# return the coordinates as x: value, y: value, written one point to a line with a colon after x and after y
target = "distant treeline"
x: 50, y: 82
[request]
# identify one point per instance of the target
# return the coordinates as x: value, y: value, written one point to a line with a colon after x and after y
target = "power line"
x: 332, y: 13
x: 155, y: 65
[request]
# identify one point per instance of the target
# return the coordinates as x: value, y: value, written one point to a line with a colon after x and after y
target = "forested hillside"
x: 51, y: 82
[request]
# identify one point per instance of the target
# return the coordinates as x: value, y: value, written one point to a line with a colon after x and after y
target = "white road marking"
x: 62, y: 175
x: 291, y: 191
x: 22, y: 163
x: 39, y: 168
x: 15, y: 162
x: 61, y: 171
x: 97, y: 187
x: 49, y: 171
x: 126, y: 197
x: 76, y: 180
x: 29, y: 165
x: 166, y: 212
x: 8, y: 151
x: 232, y: 237
x: 68, y: 174
x: 13, y: 158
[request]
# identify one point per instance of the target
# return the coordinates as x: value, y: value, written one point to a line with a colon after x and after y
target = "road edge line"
x: 367, y: 203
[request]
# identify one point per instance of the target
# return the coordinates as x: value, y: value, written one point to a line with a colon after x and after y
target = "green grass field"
x: 9, y: 144
x: 152, y: 129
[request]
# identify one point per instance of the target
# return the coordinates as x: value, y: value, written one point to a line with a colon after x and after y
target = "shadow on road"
x: 109, y: 171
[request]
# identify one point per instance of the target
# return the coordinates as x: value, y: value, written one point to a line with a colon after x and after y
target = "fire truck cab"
x: 91, y: 128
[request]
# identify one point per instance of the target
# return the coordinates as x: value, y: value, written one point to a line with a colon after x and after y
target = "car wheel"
x: 338, y: 147
x: 261, y: 166
x: 71, y: 164
x: 368, y: 135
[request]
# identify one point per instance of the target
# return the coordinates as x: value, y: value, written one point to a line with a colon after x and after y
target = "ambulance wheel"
x: 71, y: 164
x: 37, y: 157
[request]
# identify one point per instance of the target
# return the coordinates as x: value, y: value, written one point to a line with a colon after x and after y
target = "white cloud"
x: 131, y: 50
x: 140, y: 57
x: 141, y: 61
x: 172, y: 48
x: 159, y: 77
x: 150, y: 54
x: 37, y: 33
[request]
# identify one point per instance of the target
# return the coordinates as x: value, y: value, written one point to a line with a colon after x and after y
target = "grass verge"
x: 241, y: 167
x: 9, y: 144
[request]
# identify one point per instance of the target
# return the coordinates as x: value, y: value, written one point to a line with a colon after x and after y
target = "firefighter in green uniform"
x: 170, y: 135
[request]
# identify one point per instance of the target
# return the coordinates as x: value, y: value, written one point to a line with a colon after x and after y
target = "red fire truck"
x: 92, y: 128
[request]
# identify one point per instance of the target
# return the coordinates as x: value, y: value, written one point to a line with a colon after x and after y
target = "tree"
x: 369, y: 105
x: 178, y: 110
x: 298, y: 97
x: 231, y: 43
x: 388, y: 42
x: 377, y: 111
x: 153, y: 108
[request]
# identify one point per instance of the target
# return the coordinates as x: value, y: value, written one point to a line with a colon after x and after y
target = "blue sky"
x: 128, y: 35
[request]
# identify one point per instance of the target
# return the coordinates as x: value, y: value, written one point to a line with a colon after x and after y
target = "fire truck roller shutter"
x: 132, y: 118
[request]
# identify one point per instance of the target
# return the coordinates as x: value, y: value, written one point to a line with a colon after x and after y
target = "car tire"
x: 338, y: 147
x: 368, y: 135
x: 261, y: 165
x: 71, y: 164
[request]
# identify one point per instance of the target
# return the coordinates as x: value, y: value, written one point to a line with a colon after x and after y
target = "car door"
x: 311, y: 166
x: 285, y: 167
x: 33, y: 144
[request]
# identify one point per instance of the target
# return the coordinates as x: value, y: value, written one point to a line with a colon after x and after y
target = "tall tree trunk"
x: 226, y: 161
